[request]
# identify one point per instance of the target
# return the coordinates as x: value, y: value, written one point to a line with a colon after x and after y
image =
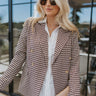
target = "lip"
x: 48, y: 9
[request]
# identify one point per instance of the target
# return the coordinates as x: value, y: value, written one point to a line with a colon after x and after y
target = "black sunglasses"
x: 43, y: 2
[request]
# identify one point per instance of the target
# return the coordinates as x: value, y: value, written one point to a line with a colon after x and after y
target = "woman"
x: 52, y: 34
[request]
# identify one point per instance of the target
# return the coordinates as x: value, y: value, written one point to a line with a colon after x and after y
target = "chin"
x: 50, y: 15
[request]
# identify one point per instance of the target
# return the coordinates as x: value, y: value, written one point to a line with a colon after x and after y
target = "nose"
x: 48, y: 2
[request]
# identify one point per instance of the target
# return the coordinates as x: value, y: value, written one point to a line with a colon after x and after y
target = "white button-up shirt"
x: 48, y: 85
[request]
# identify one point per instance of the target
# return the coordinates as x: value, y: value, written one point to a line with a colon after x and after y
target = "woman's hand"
x: 64, y: 92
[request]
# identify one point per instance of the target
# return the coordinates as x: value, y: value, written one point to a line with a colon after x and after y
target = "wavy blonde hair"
x: 61, y: 18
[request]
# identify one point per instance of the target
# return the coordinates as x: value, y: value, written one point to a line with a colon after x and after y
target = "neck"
x: 51, y: 21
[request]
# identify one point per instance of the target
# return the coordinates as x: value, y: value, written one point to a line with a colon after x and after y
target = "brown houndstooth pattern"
x: 32, y: 49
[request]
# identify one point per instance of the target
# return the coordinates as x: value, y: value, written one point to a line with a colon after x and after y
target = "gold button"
x: 31, y: 50
x: 66, y: 71
x: 69, y: 57
x: 32, y: 63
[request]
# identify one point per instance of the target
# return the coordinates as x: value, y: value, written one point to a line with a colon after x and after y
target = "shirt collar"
x: 44, y: 21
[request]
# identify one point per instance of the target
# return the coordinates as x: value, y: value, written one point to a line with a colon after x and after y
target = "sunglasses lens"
x: 43, y: 2
x: 53, y: 2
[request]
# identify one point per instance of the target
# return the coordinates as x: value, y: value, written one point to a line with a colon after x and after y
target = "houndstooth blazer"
x: 32, y: 49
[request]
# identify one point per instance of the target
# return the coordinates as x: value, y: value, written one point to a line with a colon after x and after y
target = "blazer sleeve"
x: 18, y: 59
x: 74, y: 74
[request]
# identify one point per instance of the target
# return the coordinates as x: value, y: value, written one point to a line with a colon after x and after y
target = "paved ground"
x: 2, y: 94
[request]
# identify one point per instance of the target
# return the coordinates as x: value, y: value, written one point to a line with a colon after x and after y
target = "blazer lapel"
x: 62, y: 38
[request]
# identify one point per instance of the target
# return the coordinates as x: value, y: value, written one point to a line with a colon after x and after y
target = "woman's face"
x: 50, y: 10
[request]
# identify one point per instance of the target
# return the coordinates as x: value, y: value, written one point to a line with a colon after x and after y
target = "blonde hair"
x: 61, y: 18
